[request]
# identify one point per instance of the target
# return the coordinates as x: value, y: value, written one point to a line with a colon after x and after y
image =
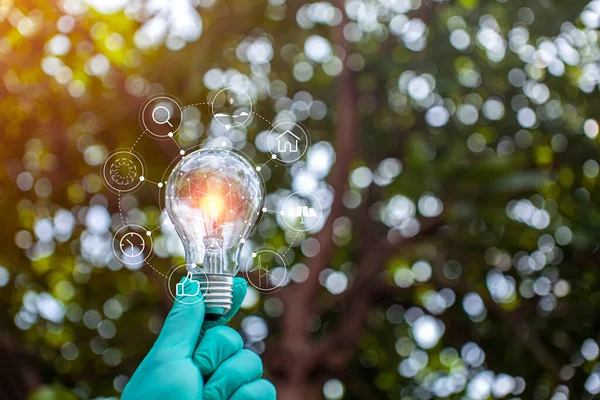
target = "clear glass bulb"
x: 213, y: 198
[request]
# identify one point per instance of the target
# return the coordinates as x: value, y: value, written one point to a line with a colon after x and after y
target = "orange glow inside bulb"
x: 212, y: 204
x: 221, y: 198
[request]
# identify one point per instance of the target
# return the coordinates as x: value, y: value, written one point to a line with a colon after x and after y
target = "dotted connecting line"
x: 157, y: 271
x: 264, y: 119
x: 137, y: 140
x: 258, y: 168
x: 121, y: 211
x: 195, y: 104
x: 291, y: 244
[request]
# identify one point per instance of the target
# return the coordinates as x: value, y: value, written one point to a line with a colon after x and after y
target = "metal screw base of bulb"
x: 218, y: 292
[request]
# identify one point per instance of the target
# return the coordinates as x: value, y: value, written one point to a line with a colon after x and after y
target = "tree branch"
x: 340, y: 344
x: 517, y: 322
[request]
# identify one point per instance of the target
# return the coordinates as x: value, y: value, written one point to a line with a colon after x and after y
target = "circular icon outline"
x: 174, y: 130
x: 247, y: 271
x: 298, y: 194
x: 233, y: 88
x: 143, y: 243
x: 275, y: 155
x: 166, y: 121
x: 179, y: 300
x: 106, y: 174
x: 147, y: 245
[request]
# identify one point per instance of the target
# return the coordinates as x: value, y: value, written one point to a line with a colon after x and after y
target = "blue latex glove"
x: 193, y: 359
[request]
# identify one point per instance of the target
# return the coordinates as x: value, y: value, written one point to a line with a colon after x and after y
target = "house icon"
x: 287, y: 141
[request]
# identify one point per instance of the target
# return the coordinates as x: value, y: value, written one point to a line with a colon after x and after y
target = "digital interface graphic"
x: 288, y: 142
x: 214, y: 196
x: 266, y: 270
x: 123, y: 171
x: 132, y: 245
x: 231, y: 107
x: 161, y: 116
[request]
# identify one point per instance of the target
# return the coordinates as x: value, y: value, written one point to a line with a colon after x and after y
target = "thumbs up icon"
x: 188, y: 287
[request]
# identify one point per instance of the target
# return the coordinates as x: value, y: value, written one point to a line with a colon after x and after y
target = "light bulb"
x: 214, y: 197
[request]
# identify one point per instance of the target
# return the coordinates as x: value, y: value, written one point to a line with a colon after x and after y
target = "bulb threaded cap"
x: 218, y: 292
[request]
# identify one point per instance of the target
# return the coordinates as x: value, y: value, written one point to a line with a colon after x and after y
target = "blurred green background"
x: 454, y: 145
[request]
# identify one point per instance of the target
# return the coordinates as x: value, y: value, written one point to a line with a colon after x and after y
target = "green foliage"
x: 52, y: 393
x: 489, y: 106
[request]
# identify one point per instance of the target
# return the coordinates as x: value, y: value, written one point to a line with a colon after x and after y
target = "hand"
x: 185, y: 289
x: 193, y: 359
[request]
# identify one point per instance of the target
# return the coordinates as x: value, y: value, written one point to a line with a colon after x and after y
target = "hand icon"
x: 188, y: 286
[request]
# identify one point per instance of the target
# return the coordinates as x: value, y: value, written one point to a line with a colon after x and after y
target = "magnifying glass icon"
x: 166, y: 121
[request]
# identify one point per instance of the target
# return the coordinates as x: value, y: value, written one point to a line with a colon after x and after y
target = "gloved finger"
x: 240, y: 287
x: 260, y: 389
x: 215, y: 347
x: 180, y: 332
x: 244, y: 367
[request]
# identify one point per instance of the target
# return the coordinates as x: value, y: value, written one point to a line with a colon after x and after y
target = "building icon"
x: 287, y: 142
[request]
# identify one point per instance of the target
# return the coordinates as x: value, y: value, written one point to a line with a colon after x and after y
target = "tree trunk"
x: 301, y: 390
x: 20, y: 376
x: 298, y: 363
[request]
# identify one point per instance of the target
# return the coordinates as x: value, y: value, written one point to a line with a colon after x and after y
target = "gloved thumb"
x: 240, y: 287
x: 181, y: 330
